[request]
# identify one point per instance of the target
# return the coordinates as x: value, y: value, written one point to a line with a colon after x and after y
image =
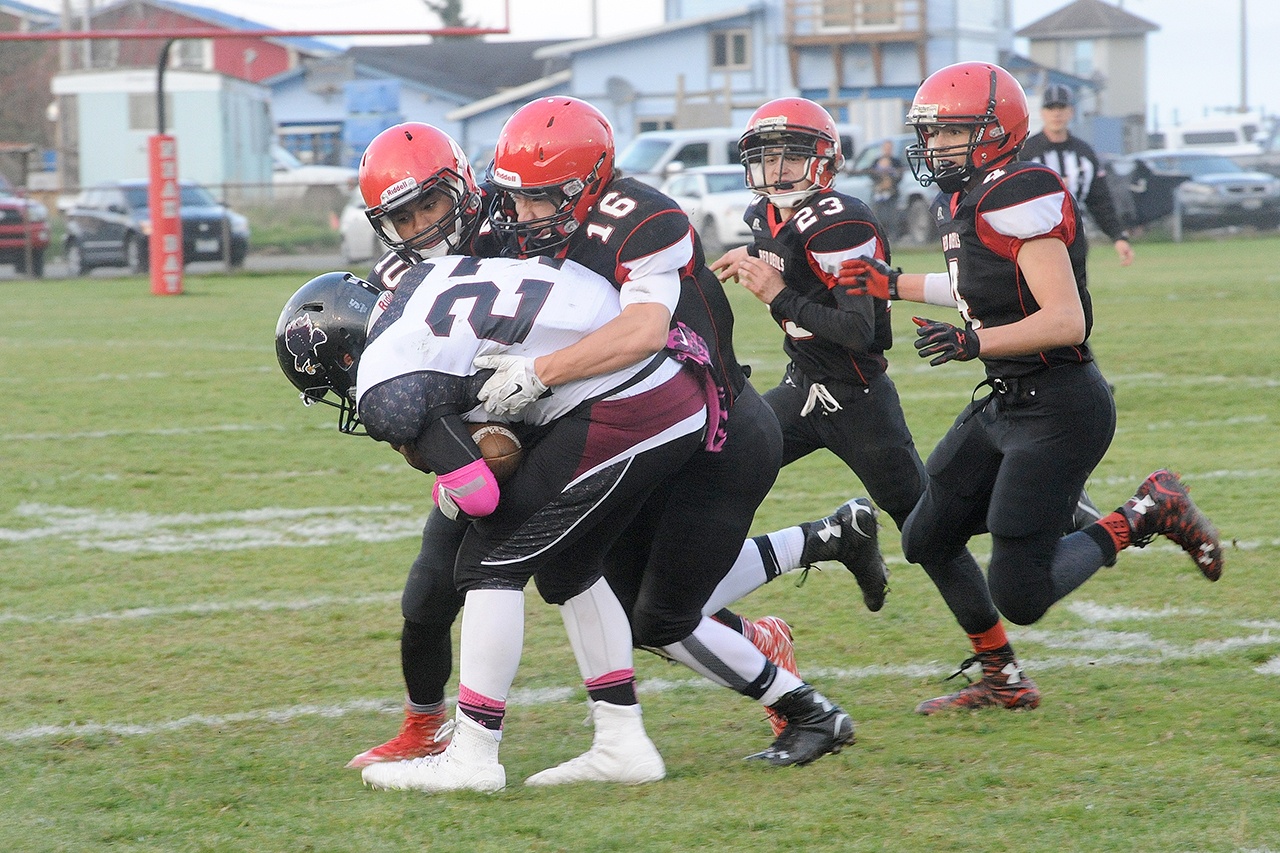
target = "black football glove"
x: 869, y: 277
x: 945, y: 342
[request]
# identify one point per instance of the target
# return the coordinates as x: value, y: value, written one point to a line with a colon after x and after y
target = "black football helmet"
x: 320, y: 337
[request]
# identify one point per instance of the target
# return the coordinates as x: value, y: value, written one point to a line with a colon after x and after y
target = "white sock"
x: 719, y: 654
x: 748, y: 572
x: 492, y: 639
x: 598, y: 630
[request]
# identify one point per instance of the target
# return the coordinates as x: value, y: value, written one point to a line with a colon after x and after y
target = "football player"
x: 423, y: 201
x: 1015, y: 460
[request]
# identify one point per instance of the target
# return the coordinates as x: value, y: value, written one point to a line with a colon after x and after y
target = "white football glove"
x: 513, y: 385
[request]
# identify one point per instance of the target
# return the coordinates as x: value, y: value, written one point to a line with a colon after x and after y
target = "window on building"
x: 879, y: 13
x: 192, y: 54
x: 731, y: 50
x: 1082, y: 59
x: 654, y: 124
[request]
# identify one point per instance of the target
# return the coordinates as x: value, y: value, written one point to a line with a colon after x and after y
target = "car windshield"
x: 642, y: 155
x: 192, y: 196
x: 726, y: 182
x: 1194, y: 166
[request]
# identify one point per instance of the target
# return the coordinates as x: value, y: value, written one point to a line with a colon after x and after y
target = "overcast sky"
x: 1194, y: 61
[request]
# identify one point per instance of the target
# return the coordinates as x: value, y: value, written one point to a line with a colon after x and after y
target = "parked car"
x: 1212, y: 190
x: 24, y: 232
x: 914, y: 226
x: 359, y: 242
x: 715, y: 198
x: 293, y: 179
x: 110, y: 226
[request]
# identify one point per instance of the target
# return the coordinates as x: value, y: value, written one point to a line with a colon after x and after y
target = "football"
x: 500, y: 447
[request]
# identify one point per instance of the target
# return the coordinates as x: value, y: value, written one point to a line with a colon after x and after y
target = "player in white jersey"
x: 603, y: 446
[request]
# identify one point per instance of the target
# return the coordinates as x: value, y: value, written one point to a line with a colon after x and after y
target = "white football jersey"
x: 447, y: 311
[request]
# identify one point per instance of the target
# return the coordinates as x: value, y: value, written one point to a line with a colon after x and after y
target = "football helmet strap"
x: 321, y: 335
x: 405, y: 164
x: 978, y: 95
x: 559, y: 149
x: 790, y: 127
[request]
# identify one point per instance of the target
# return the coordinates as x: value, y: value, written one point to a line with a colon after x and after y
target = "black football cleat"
x: 850, y: 536
x: 815, y: 727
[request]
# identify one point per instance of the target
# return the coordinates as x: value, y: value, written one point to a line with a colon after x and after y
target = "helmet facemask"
x: 543, y: 235
x: 768, y: 154
x: 446, y: 235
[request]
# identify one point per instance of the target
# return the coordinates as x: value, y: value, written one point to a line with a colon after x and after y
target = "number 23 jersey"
x: 830, y: 334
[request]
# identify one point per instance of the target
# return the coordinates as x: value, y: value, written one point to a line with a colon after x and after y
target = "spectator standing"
x: 1078, y: 165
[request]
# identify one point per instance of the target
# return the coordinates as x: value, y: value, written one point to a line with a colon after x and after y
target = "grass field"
x: 199, y: 612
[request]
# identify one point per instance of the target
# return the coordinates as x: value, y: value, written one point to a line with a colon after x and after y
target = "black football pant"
x: 1014, y: 464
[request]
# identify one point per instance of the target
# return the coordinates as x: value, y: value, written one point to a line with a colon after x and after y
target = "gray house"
x: 1105, y: 48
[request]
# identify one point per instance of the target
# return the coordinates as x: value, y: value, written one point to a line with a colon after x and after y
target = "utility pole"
x: 1244, y: 59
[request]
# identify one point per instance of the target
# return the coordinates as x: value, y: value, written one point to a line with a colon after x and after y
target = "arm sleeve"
x: 851, y: 321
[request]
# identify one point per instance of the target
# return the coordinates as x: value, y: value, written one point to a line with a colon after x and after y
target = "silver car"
x: 1211, y: 190
x: 714, y: 197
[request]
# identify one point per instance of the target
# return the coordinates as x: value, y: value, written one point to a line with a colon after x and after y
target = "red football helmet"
x: 404, y: 165
x: 559, y: 149
x: 790, y: 127
x: 977, y: 95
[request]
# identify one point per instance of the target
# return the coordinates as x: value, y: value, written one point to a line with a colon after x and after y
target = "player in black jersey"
x: 423, y: 201
x: 556, y: 195
x: 1015, y: 460
x: 835, y: 392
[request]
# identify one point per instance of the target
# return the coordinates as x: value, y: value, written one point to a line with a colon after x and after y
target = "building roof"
x: 1085, y: 19
x: 470, y: 67
x: 39, y: 18
x: 567, y: 48
x: 515, y: 93
x: 222, y: 20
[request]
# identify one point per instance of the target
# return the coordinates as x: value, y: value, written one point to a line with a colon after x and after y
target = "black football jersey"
x: 634, y: 227
x: 830, y: 335
x: 988, y: 224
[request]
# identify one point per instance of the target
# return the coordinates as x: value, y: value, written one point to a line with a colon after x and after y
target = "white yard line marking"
x: 1157, y: 652
x: 203, y: 609
x: 267, y: 527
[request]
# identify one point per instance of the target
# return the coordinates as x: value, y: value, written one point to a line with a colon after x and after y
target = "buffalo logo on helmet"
x: 301, y: 337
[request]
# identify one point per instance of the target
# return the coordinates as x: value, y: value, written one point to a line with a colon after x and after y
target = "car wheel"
x: 711, y: 245
x: 37, y: 263
x: 135, y: 255
x: 75, y: 259
x: 920, y: 230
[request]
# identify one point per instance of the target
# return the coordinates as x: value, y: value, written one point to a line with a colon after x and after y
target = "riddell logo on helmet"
x: 770, y: 123
x: 506, y: 178
x: 399, y: 188
x: 923, y: 113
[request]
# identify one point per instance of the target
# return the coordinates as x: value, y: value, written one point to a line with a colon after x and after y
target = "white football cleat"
x: 469, y: 763
x: 620, y: 752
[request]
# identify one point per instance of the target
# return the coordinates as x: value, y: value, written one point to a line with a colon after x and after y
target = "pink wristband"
x: 472, y: 487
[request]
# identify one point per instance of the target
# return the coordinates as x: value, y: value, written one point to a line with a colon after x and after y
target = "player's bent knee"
x: 650, y: 631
